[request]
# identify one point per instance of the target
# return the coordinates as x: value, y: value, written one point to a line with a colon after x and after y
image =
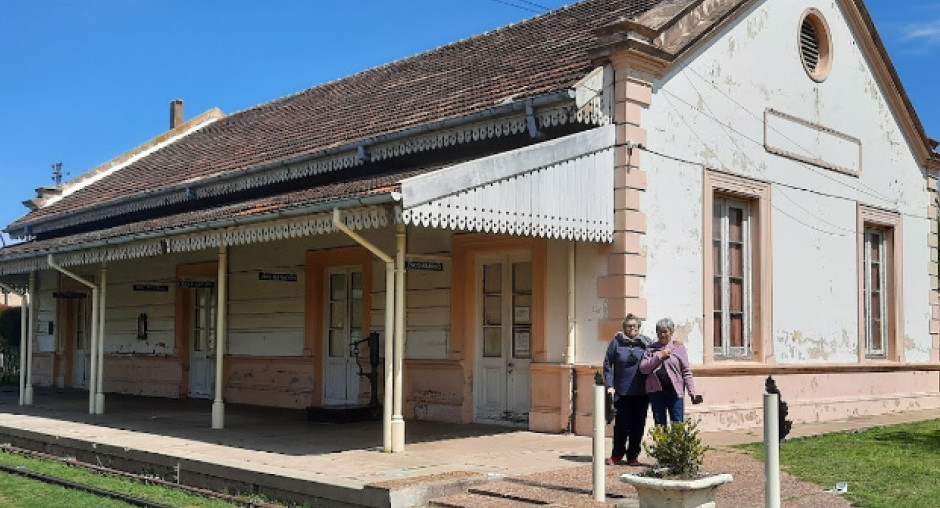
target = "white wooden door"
x: 504, y: 339
x: 81, y: 357
x: 342, y: 326
x: 202, y: 342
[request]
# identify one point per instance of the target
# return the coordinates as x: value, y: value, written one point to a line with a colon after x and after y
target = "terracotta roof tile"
x: 539, y: 55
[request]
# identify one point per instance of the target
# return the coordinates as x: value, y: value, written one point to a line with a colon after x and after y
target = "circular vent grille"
x: 809, y: 45
x: 815, y: 45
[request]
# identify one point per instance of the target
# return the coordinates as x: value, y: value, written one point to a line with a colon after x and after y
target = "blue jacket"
x: 622, y: 364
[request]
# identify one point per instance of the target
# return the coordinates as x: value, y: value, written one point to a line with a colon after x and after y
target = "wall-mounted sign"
x: 156, y: 288
x: 282, y: 277
x: 197, y: 283
x: 432, y: 266
x: 69, y: 294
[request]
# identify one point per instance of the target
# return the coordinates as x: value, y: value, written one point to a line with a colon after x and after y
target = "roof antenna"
x: 57, y: 173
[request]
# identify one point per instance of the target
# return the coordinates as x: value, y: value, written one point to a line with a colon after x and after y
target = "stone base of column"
x: 398, y: 434
x: 28, y: 396
x: 99, y: 403
x: 218, y: 415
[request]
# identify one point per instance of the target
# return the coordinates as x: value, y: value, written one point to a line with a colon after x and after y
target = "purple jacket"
x: 677, y: 366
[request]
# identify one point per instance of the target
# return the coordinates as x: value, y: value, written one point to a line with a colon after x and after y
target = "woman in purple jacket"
x: 669, y: 375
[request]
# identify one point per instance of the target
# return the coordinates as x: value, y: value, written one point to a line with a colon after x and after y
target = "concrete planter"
x: 663, y: 493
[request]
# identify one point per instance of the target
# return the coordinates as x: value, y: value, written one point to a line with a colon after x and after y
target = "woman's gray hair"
x: 667, y: 324
x: 631, y: 317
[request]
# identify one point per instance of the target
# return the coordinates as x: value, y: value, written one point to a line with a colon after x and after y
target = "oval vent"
x: 815, y: 45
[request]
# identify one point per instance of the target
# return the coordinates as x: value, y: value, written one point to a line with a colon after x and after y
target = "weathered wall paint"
x: 814, y: 257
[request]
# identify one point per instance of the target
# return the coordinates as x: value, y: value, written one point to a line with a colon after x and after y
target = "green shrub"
x: 677, y: 448
x: 10, y: 326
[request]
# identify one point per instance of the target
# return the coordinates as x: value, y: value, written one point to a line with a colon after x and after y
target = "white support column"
x: 218, y: 406
x: 388, y: 400
x: 99, y: 387
x: 93, y: 372
x: 30, y: 340
x: 398, y: 422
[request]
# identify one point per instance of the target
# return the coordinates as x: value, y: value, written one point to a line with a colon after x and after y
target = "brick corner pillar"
x: 622, y: 287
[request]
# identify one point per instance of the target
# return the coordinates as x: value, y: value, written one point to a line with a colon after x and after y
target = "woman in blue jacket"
x: 628, y: 386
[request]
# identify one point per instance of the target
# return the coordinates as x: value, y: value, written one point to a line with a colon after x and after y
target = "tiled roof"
x: 536, y: 56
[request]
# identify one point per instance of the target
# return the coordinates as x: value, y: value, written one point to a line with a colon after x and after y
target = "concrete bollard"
x: 771, y: 451
x: 600, y: 479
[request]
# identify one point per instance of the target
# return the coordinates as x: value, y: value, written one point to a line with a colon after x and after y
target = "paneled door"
x: 81, y: 341
x: 503, y: 339
x: 202, y: 342
x: 342, y: 327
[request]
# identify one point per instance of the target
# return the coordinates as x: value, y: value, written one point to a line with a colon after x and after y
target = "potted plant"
x: 678, y: 481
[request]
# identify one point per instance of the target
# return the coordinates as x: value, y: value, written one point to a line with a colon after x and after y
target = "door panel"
x: 344, y: 300
x: 79, y: 338
x: 503, y: 351
x: 202, y: 343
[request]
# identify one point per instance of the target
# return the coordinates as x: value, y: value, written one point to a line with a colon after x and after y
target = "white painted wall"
x: 753, y: 65
x: 124, y: 305
x: 427, y: 300
x: 266, y: 318
x: 556, y: 301
x: 590, y: 263
x: 47, y: 283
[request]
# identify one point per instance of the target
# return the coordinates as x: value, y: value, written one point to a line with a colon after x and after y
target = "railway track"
x: 134, y: 501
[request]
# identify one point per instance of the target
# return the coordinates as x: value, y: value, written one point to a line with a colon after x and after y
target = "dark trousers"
x: 629, y: 425
x: 666, y: 401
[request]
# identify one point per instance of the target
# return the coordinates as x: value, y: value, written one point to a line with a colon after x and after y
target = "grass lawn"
x: 885, y: 467
x: 21, y: 492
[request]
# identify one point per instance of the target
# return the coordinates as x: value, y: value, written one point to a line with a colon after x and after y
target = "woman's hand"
x: 610, y: 390
x: 664, y: 353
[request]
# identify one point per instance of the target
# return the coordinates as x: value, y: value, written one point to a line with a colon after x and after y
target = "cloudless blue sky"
x: 84, y: 81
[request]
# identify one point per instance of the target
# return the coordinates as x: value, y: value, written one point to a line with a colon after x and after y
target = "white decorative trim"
x: 198, y: 191
x: 560, y: 189
x: 316, y: 224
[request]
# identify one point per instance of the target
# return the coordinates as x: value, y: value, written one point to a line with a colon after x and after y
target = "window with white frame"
x: 875, y: 276
x: 731, y: 277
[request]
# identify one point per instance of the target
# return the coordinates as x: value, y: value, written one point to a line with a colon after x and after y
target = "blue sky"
x: 84, y: 81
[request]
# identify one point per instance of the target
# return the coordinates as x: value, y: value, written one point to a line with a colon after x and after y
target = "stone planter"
x: 665, y: 493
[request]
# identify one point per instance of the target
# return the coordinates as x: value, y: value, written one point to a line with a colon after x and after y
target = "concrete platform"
x: 280, y: 453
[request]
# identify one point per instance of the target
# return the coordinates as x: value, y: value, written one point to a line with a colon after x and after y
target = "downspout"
x: 99, y: 394
x: 30, y: 340
x: 218, y: 405
x: 389, y: 323
x: 398, y: 422
x: 23, y: 325
x: 93, y: 374
x: 572, y: 337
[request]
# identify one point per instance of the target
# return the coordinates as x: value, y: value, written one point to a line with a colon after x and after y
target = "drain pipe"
x: 92, y: 375
x: 389, y: 323
x: 99, y: 393
x: 572, y: 336
x: 30, y: 339
x: 23, y: 316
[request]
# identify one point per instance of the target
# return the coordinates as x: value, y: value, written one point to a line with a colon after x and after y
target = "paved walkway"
x: 279, y: 449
